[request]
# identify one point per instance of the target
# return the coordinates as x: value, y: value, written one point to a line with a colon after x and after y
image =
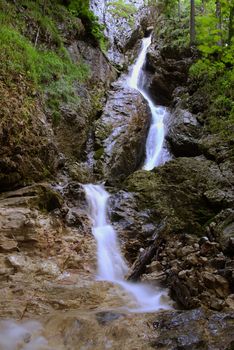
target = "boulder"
x: 179, y: 184
x: 120, y: 133
x: 196, y: 329
x: 168, y: 69
x: 184, y: 133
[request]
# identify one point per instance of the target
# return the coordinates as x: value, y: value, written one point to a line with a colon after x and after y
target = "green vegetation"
x: 120, y: 9
x: 19, y: 55
x: 32, y: 44
x: 213, y: 37
x: 80, y: 8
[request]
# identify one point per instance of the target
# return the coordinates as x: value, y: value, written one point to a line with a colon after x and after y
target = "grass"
x: 50, y: 70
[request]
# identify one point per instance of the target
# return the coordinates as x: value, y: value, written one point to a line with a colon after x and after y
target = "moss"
x: 49, y: 199
x: 175, y: 191
x: 98, y: 154
x: 37, y: 50
x: 49, y: 72
x: 96, y: 30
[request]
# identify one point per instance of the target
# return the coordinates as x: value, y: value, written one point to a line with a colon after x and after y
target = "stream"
x: 112, y: 267
x: 111, y: 264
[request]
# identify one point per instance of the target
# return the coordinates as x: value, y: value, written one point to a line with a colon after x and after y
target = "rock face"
x: 43, y: 251
x: 120, y: 133
x: 184, y: 182
x: 28, y: 152
x: 124, y: 27
x: 184, y: 133
x: 169, y: 69
x: 74, y: 127
x: 187, y: 263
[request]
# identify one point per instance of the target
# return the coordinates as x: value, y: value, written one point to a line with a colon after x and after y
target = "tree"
x: 192, y: 23
x: 203, y: 6
x: 218, y: 13
x: 179, y: 9
x: 231, y: 25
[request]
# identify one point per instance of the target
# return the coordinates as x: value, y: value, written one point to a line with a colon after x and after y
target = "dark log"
x: 144, y: 258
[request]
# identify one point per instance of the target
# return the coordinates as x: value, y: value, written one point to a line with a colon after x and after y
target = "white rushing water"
x: 156, y: 154
x: 24, y: 336
x: 111, y: 265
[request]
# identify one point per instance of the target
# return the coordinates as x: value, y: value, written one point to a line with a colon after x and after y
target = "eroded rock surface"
x: 124, y: 27
x: 184, y: 261
x: 197, y: 329
x: 120, y: 133
x: 74, y: 128
x: 169, y: 69
x: 184, y: 133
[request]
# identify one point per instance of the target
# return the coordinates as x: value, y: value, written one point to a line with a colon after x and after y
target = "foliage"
x: 80, y: 8
x: 51, y: 71
x: 216, y: 82
x: 120, y: 9
x: 213, y: 73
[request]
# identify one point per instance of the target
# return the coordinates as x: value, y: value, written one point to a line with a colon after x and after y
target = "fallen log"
x: 145, y: 257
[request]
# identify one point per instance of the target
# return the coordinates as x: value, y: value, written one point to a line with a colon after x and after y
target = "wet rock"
x: 121, y: 133
x: 195, y: 329
x: 76, y: 217
x: 177, y: 185
x: 168, y: 67
x: 106, y: 317
x: 183, y: 134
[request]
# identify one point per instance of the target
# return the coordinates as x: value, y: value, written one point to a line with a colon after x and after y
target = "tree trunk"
x: 203, y: 7
x: 219, y: 20
x: 231, y: 25
x: 145, y: 257
x: 192, y: 23
x: 179, y: 10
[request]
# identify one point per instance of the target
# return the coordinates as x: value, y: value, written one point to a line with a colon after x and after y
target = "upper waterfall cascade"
x: 156, y: 154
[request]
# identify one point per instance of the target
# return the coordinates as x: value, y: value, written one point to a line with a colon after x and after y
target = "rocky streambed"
x: 175, y: 223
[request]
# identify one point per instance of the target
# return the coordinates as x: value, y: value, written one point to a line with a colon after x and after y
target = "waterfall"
x: 111, y: 265
x: 156, y: 154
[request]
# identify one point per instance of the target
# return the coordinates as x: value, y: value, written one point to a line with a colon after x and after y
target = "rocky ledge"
x: 120, y: 133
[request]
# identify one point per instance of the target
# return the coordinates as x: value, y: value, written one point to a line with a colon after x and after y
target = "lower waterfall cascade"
x: 111, y: 265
